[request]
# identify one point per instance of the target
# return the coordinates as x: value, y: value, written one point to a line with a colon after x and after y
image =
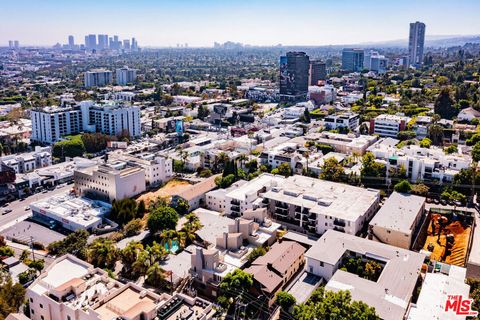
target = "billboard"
x: 179, y: 127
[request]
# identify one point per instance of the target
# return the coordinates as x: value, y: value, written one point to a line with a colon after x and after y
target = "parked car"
x: 27, y: 208
x: 7, y: 211
x: 436, y: 201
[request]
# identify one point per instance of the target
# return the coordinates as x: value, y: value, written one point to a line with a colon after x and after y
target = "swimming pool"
x: 174, y: 247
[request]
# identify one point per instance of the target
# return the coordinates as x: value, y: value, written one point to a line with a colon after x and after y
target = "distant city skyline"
x: 167, y: 23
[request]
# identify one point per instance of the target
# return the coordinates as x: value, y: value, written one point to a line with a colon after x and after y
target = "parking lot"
x: 23, y: 230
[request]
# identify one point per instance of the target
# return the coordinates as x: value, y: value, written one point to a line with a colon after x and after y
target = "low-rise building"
x: 422, y: 163
x: 388, y: 125
x: 390, y: 294
x: 314, y: 205
x: 272, y: 271
x: 437, y: 287
x: 398, y: 220
x: 195, y: 194
x: 71, y: 212
x: 73, y: 289
x: 29, y: 161
x: 158, y: 169
x: 111, y: 181
x: 343, y: 143
x: 344, y: 120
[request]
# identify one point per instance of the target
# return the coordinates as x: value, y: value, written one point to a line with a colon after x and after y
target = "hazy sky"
x: 261, y: 22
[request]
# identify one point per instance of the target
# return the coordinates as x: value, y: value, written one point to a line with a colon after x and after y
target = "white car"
x: 27, y: 208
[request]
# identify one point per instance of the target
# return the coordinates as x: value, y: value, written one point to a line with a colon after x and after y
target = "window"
x: 41, y: 306
x: 321, y: 263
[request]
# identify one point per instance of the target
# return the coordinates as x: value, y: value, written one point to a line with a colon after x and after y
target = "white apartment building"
x: 72, y: 289
x: 315, y: 206
x: 97, y: 78
x: 398, y: 220
x: 158, y: 169
x: 375, y: 62
x: 344, y: 120
x: 422, y: 163
x: 388, y: 125
x: 343, y: 143
x: 50, y: 124
x: 113, y: 181
x: 28, y: 162
x: 125, y: 75
x: 124, y: 96
x: 390, y: 294
x: 244, y: 196
x: 285, y: 152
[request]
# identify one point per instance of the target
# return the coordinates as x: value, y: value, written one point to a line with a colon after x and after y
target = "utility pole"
x: 31, y: 247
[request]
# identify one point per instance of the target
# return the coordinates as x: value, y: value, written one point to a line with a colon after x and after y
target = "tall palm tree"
x: 156, y: 252
x: 102, y: 253
x: 242, y: 158
x: 141, y: 265
x: 155, y: 275
x: 130, y: 253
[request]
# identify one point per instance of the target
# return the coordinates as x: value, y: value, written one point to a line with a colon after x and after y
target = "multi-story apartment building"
x: 352, y: 59
x: 416, y: 42
x: 421, y: 163
x: 125, y: 75
x: 74, y: 290
x: 315, y: 206
x: 112, y: 181
x: 388, y: 125
x: 158, y: 169
x: 343, y: 143
x: 28, y: 162
x: 344, y: 120
x: 97, y: 78
x: 390, y: 294
x: 50, y: 124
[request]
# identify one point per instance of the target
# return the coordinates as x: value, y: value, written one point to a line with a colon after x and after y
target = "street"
x: 18, y: 207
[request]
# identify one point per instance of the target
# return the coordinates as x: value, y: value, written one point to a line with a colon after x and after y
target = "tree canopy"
x: 162, y: 218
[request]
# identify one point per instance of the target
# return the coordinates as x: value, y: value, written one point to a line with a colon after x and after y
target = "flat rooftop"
x: 81, y: 211
x: 214, y: 224
x: 399, y: 212
x: 391, y: 293
x: 253, y: 186
x: 324, y: 197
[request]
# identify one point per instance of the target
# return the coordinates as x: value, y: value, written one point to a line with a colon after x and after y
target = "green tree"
x: 102, y: 253
x: 182, y: 206
x: 285, y: 300
x: 75, y: 243
x: 333, y: 305
x: 284, y: 169
x: 12, y: 297
x: 202, y: 112
x: 141, y: 208
x: 406, y: 135
x: 133, y: 228
x: 68, y: 148
x: 403, y: 187
x: 205, y: 173
x: 162, y: 218
x: 155, y: 275
x: 332, y: 170
x: 445, y: 105
x: 234, y: 285
x: 420, y: 189
x: 372, y: 172
x: 476, y: 152
x: 257, y: 252
x: 425, y: 143
x: 124, y: 211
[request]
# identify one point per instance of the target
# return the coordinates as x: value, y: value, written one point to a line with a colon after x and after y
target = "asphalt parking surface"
x: 26, y: 229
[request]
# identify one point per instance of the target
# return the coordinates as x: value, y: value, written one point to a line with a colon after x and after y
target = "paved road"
x: 18, y: 207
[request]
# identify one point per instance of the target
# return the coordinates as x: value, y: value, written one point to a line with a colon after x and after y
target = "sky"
x: 160, y: 23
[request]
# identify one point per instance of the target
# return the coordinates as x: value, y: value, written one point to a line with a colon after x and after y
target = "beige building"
x: 343, y: 143
x: 72, y: 289
x: 397, y: 222
x: 112, y: 181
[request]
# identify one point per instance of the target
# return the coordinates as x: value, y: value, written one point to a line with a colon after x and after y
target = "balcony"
x: 281, y: 212
x: 339, y: 223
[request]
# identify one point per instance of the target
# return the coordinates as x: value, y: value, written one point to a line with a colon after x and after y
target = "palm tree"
x: 130, y: 253
x: 242, y: 158
x: 307, y: 156
x: 168, y: 237
x: 222, y: 159
x: 141, y: 265
x: 155, y: 275
x: 102, y: 253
